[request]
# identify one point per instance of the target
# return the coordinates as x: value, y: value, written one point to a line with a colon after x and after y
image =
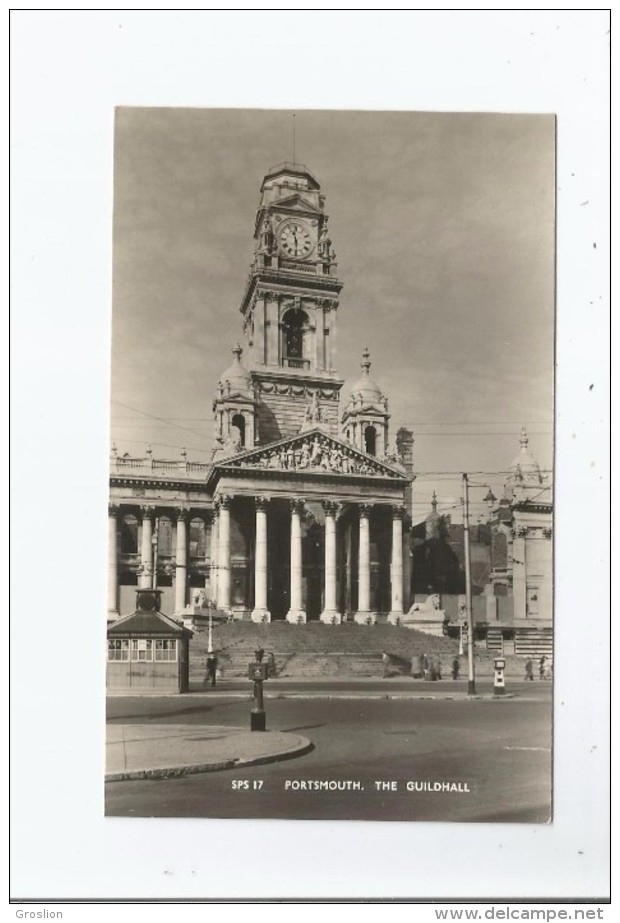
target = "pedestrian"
x: 548, y: 669
x: 385, y: 660
x: 271, y: 662
x: 211, y: 668
x: 541, y: 666
x: 456, y: 666
x: 529, y: 670
x: 425, y: 666
x: 438, y: 668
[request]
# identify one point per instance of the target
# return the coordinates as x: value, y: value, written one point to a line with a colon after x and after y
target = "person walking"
x: 438, y: 668
x: 541, y: 666
x: 529, y: 670
x: 211, y: 668
x: 456, y: 666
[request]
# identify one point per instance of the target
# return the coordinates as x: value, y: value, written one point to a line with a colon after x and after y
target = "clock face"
x: 295, y: 239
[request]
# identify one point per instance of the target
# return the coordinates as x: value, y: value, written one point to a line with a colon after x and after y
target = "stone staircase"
x: 322, y: 651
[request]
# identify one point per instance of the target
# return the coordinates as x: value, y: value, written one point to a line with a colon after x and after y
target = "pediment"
x: 296, y: 202
x: 314, y: 452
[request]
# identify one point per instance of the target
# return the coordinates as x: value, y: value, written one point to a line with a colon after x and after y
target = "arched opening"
x: 238, y: 423
x: 370, y: 440
x: 129, y: 534
x: 294, y: 329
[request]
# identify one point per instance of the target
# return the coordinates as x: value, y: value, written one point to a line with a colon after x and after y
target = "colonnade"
x: 220, y: 582
x: 296, y: 611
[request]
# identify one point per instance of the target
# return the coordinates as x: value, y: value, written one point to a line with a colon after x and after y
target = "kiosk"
x: 148, y: 652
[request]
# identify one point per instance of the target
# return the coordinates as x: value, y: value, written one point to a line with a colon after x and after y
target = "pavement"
x: 163, y: 751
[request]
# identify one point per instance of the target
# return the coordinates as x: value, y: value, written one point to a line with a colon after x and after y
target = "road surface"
x: 383, y: 759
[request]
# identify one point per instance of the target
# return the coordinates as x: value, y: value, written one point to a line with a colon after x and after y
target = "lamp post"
x: 210, y: 645
x: 490, y: 500
x: 154, y: 543
x: 471, y: 675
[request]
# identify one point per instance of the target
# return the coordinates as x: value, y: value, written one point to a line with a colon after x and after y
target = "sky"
x: 443, y: 225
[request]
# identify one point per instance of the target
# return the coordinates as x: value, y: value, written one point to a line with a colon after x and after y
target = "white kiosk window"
x: 165, y: 650
x: 141, y: 649
x: 118, y: 650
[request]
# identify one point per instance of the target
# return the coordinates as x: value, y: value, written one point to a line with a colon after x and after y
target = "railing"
x: 165, y: 467
x: 299, y: 267
x: 295, y: 363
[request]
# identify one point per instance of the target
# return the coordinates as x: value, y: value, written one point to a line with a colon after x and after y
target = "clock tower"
x: 290, y: 308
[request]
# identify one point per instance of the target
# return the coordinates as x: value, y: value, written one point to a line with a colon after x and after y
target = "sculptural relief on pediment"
x: 315, y: 452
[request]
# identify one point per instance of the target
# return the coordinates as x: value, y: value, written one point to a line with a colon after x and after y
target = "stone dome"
x: 236, y: 379
x: 366, y: 389
x: 525, y: 467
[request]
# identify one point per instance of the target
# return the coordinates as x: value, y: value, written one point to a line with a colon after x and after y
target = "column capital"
x: 297, y: 504
x: 181, y: 513
x: 113, y: 509
x: 223, y: 501
x: 365, y: 509
x: 330, y: 507
x: 148, y: 511
x: 261, y: 502
x: 398, y: 511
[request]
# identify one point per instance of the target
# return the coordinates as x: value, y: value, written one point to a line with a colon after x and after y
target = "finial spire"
x: 434, y: 502
x: 293, y: 139
x: 524, y: 439
x: 365, y: 363
x: 237, y: 351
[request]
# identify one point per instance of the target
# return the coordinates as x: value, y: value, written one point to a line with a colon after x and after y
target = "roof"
x: 147, y: 623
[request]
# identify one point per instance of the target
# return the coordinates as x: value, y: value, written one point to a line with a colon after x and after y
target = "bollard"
x: 258, y: 672
x: 499, y: 684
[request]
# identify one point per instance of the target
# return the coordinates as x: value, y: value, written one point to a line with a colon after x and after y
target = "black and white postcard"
x: 331, y: 482
x: 310, y: 325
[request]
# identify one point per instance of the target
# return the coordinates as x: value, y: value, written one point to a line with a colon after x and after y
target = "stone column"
x: 145, y: 580
x: 330, y: 614
x: 180, y: 579
x: 213, y: 552
x: 261, y: 612
x: 296, y: 614
x: 363, y: 614
x: 113, y: 513
x: 406, y: 563
x: 223, y: 570
x: 396, y: 568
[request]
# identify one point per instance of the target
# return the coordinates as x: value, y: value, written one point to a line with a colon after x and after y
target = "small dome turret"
x: 525, y: 467
x: 236, y: 379
x: 366, y: 391
x: 433, y: 520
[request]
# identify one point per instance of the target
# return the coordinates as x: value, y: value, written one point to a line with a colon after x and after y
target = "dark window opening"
x: 129, y: 535
x: 238, y: 423
x: 294, y: 326
x: 370, y: 440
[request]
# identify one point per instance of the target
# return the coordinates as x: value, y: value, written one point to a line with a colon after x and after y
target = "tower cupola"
x: 234, y: 408
x: 365, y: 418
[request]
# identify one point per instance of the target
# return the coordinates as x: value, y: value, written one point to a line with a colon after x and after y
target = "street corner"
x: 169, y: 751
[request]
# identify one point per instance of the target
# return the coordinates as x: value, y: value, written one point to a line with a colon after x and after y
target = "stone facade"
x: 300, y: 515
